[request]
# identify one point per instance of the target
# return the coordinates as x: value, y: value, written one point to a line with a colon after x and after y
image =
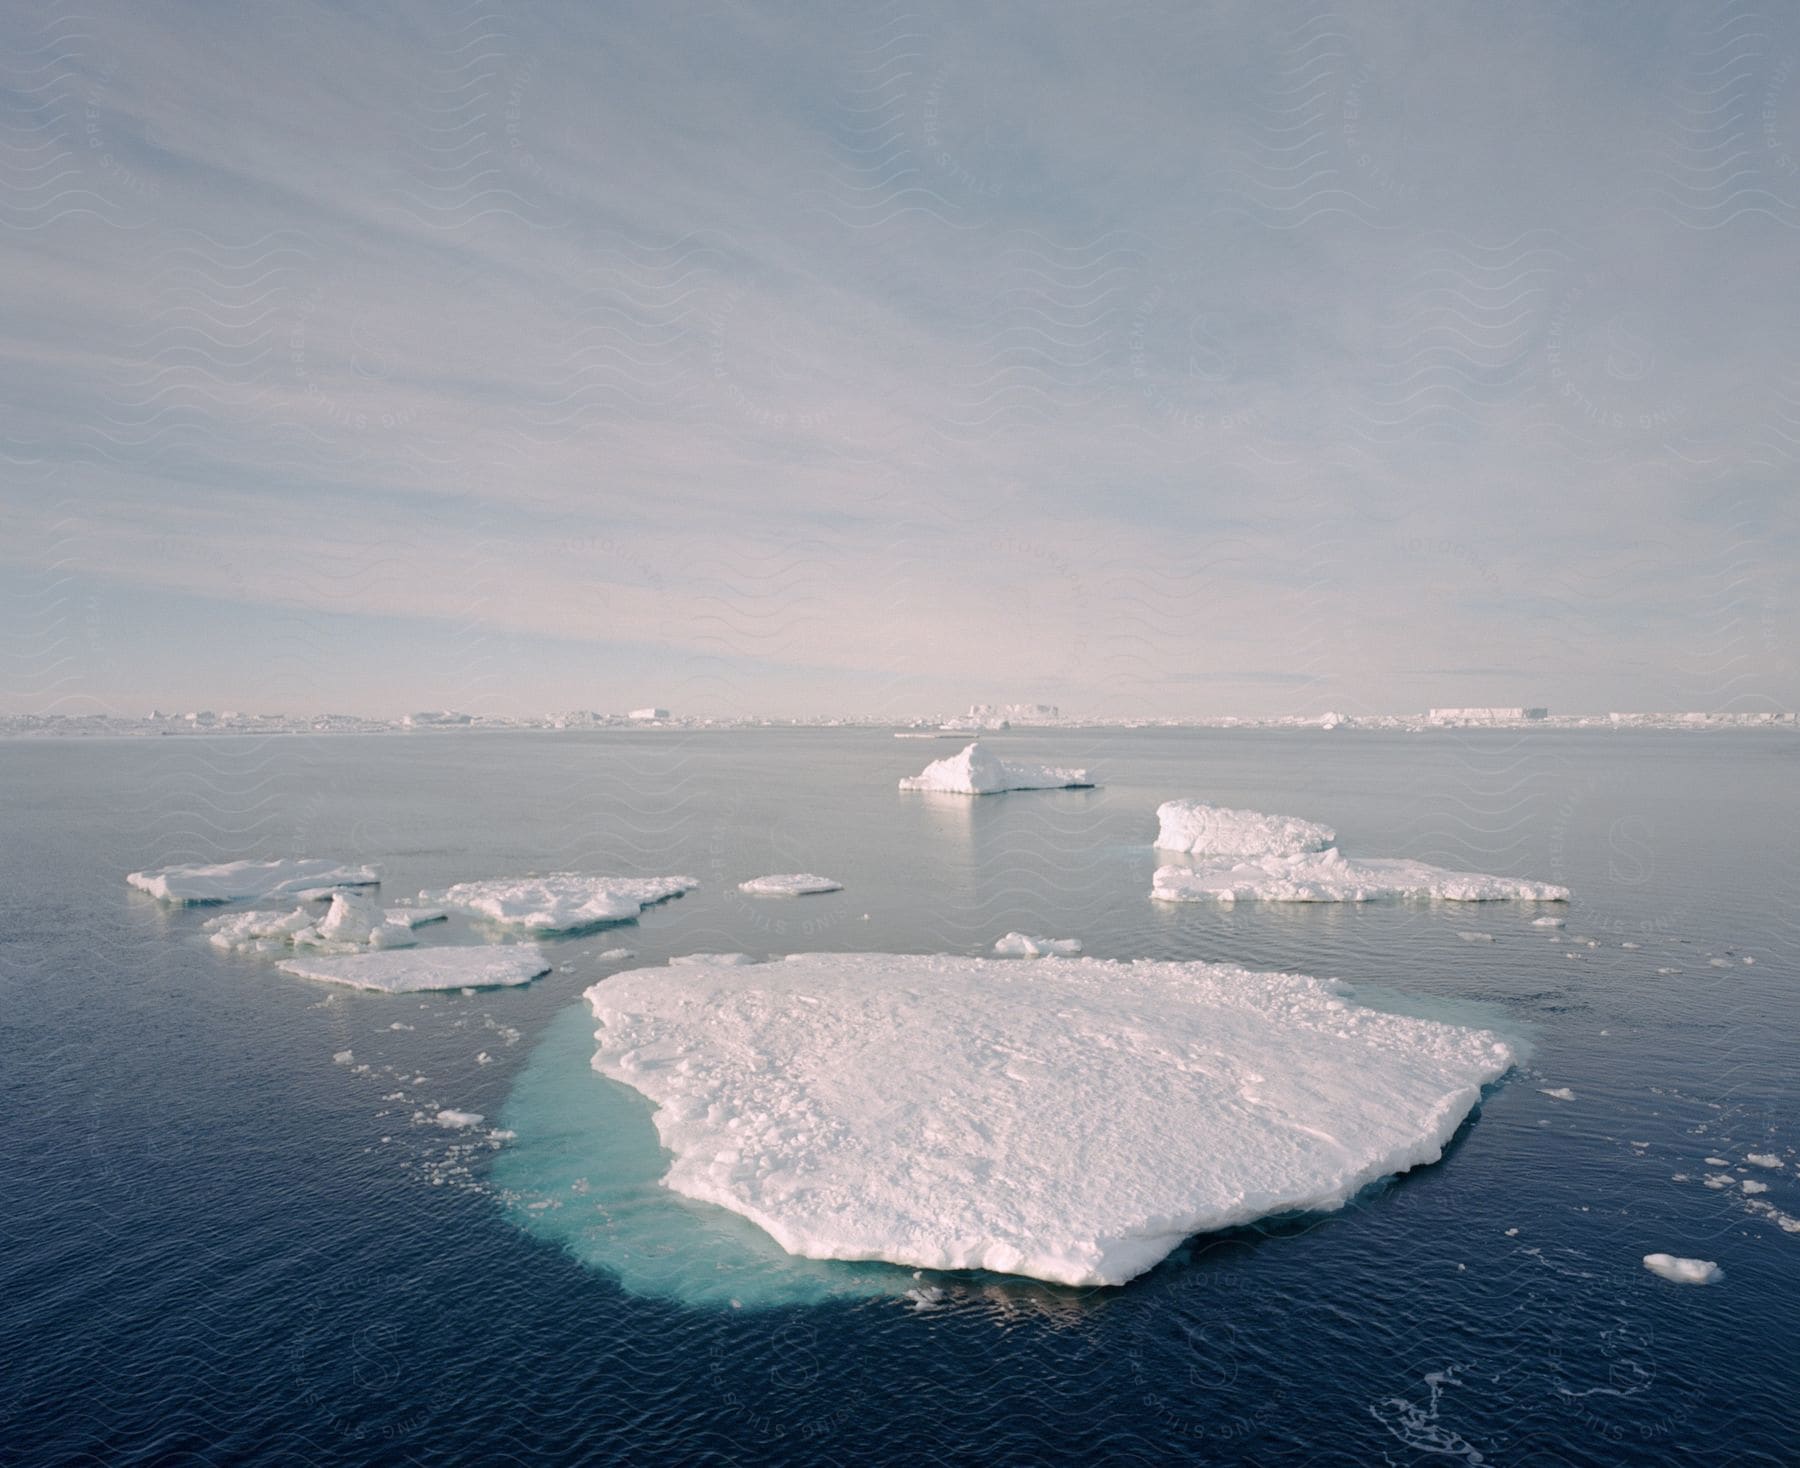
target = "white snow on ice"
x: 1684, y: 1271
x: 351, y: 923
x: 1018, y: 945
x: 789, y: 884
x: 1330, y: 876
x: 1071, y: 1121
x: 413, y: 970
x: 562, y: 902
x: 979, y: 771
x: 238, y: 881
x: 1762, y: 1159
x: 1215, y: 830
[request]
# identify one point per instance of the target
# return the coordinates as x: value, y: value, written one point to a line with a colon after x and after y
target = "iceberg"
x: 789, y: 884
x: 1683, y: 1271
x: 1072, y: 1122
x: 562, y: 902
x: 416, y: 970
x: 1018, y: 945
x: 1330, y: 876
x: 239, y: 881
x: 979, y: 771
x: 1216, y: 830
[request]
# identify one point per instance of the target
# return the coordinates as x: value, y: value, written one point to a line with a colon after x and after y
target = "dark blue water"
x: 217, y: 1244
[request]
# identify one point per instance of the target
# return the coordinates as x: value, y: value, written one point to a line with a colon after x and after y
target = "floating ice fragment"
x: 866, y: 1106
x: 1762, y: 1159
x: 1559, y: 1093
x: 1751, y: 1185
x: 237, y: 881
x: 1548, y: 922
x: 1476, y: 937
x: 458, y: 1120
x: 1216, y: 830
x: 343, y: 1057
x: 563, y: 902
x: 409, y: 970
x: 1683, y: 1271
x: 615, y: 955
x: 1330, y: 876
x: 790, y: 884
x: 979, y: 771
x: 1018, y: 945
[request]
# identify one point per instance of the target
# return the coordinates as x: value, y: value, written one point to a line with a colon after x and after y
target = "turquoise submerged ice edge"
x: 584, y: 1171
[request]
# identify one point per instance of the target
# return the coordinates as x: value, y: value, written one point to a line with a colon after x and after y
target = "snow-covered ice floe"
x: 415, y: 970
x: 979, y: 771
x: 352, y: 922
x: 1244, y: 855
x: 1330, y: 876
x: 1215, y: 830
x: 562, y: 902
x: 790, y: 884
x: 1683, y: 1271
x: 1019, y: 945
x: 1073, y: 1122
x: 240, y: 881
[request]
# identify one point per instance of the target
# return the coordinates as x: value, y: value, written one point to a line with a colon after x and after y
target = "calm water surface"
x: 222, y: 1244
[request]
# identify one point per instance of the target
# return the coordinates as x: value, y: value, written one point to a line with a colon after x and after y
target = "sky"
x: 1150, y: 360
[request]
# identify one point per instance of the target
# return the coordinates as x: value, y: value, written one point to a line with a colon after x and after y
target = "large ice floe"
x: 561, y: 902
x: 415, y: 970
x: 979, y: 771
x: 353, y: 921
x: 790, y: 884
x: 1070, y: 1121
x: 241, y: 881
x: 1244, y: 856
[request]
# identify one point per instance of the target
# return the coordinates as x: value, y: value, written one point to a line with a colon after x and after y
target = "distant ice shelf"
x: 560, y: 902
x: 1070, y: 1121
x: 416, y: 970
x: 977, y: 770
x: 241, y: 881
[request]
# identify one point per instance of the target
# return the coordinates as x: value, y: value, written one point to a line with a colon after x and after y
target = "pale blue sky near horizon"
x: 1148, y: 360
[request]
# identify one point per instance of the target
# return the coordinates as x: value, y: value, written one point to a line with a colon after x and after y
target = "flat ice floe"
x: 240, y: 881
x: 790, y: 884
x: 415, y: 970
x: 1330, y: 876
x: 562, y: 902
x: 1073, y: 1122
x: 1215, y: 830
x: 1683, y: 1271
x: 979, y: 771
x: 1020, y: 945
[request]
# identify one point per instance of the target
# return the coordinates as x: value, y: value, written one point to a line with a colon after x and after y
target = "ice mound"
x: 414, y: 970
x: 562, y: 902
x: 239, y: 881
x: 789, y: 884
x: 352, y: 922
x: 1018, y: 945
x: 1330, y: 876
x: 979, y: 771
x: 1214, y: 830
x: 1073, y: 1122
x: 1684, y: 1271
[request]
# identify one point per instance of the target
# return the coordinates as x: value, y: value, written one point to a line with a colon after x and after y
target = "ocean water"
x: 225, y: 1241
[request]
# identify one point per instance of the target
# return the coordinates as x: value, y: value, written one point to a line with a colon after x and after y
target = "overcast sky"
x: 1161, y: 359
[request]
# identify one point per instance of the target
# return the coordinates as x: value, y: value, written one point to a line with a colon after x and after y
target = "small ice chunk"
x: 410, y: 970
x: 1665, y: 972
x: 615, y: 955
x: 1684, y: 1271
x: 1751, y: 1185
x: 1716, y: 1161
x: 790, y: 884
x: 1558, y: 1093
x: 1330, y: 876
x: 1762, y: 1159
x: 979, y: 771
x: 692, y: 960
x: 252, y: 930
x: 343, y: 1057
x: 1018, y: 945
x: 458, y: 1120
x: 1548, y: 922
x: 1476, y: 937
x: 1216, y: 830
x: 239, y: 881
x: 563, y: 902
x: 1718, y: 1181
